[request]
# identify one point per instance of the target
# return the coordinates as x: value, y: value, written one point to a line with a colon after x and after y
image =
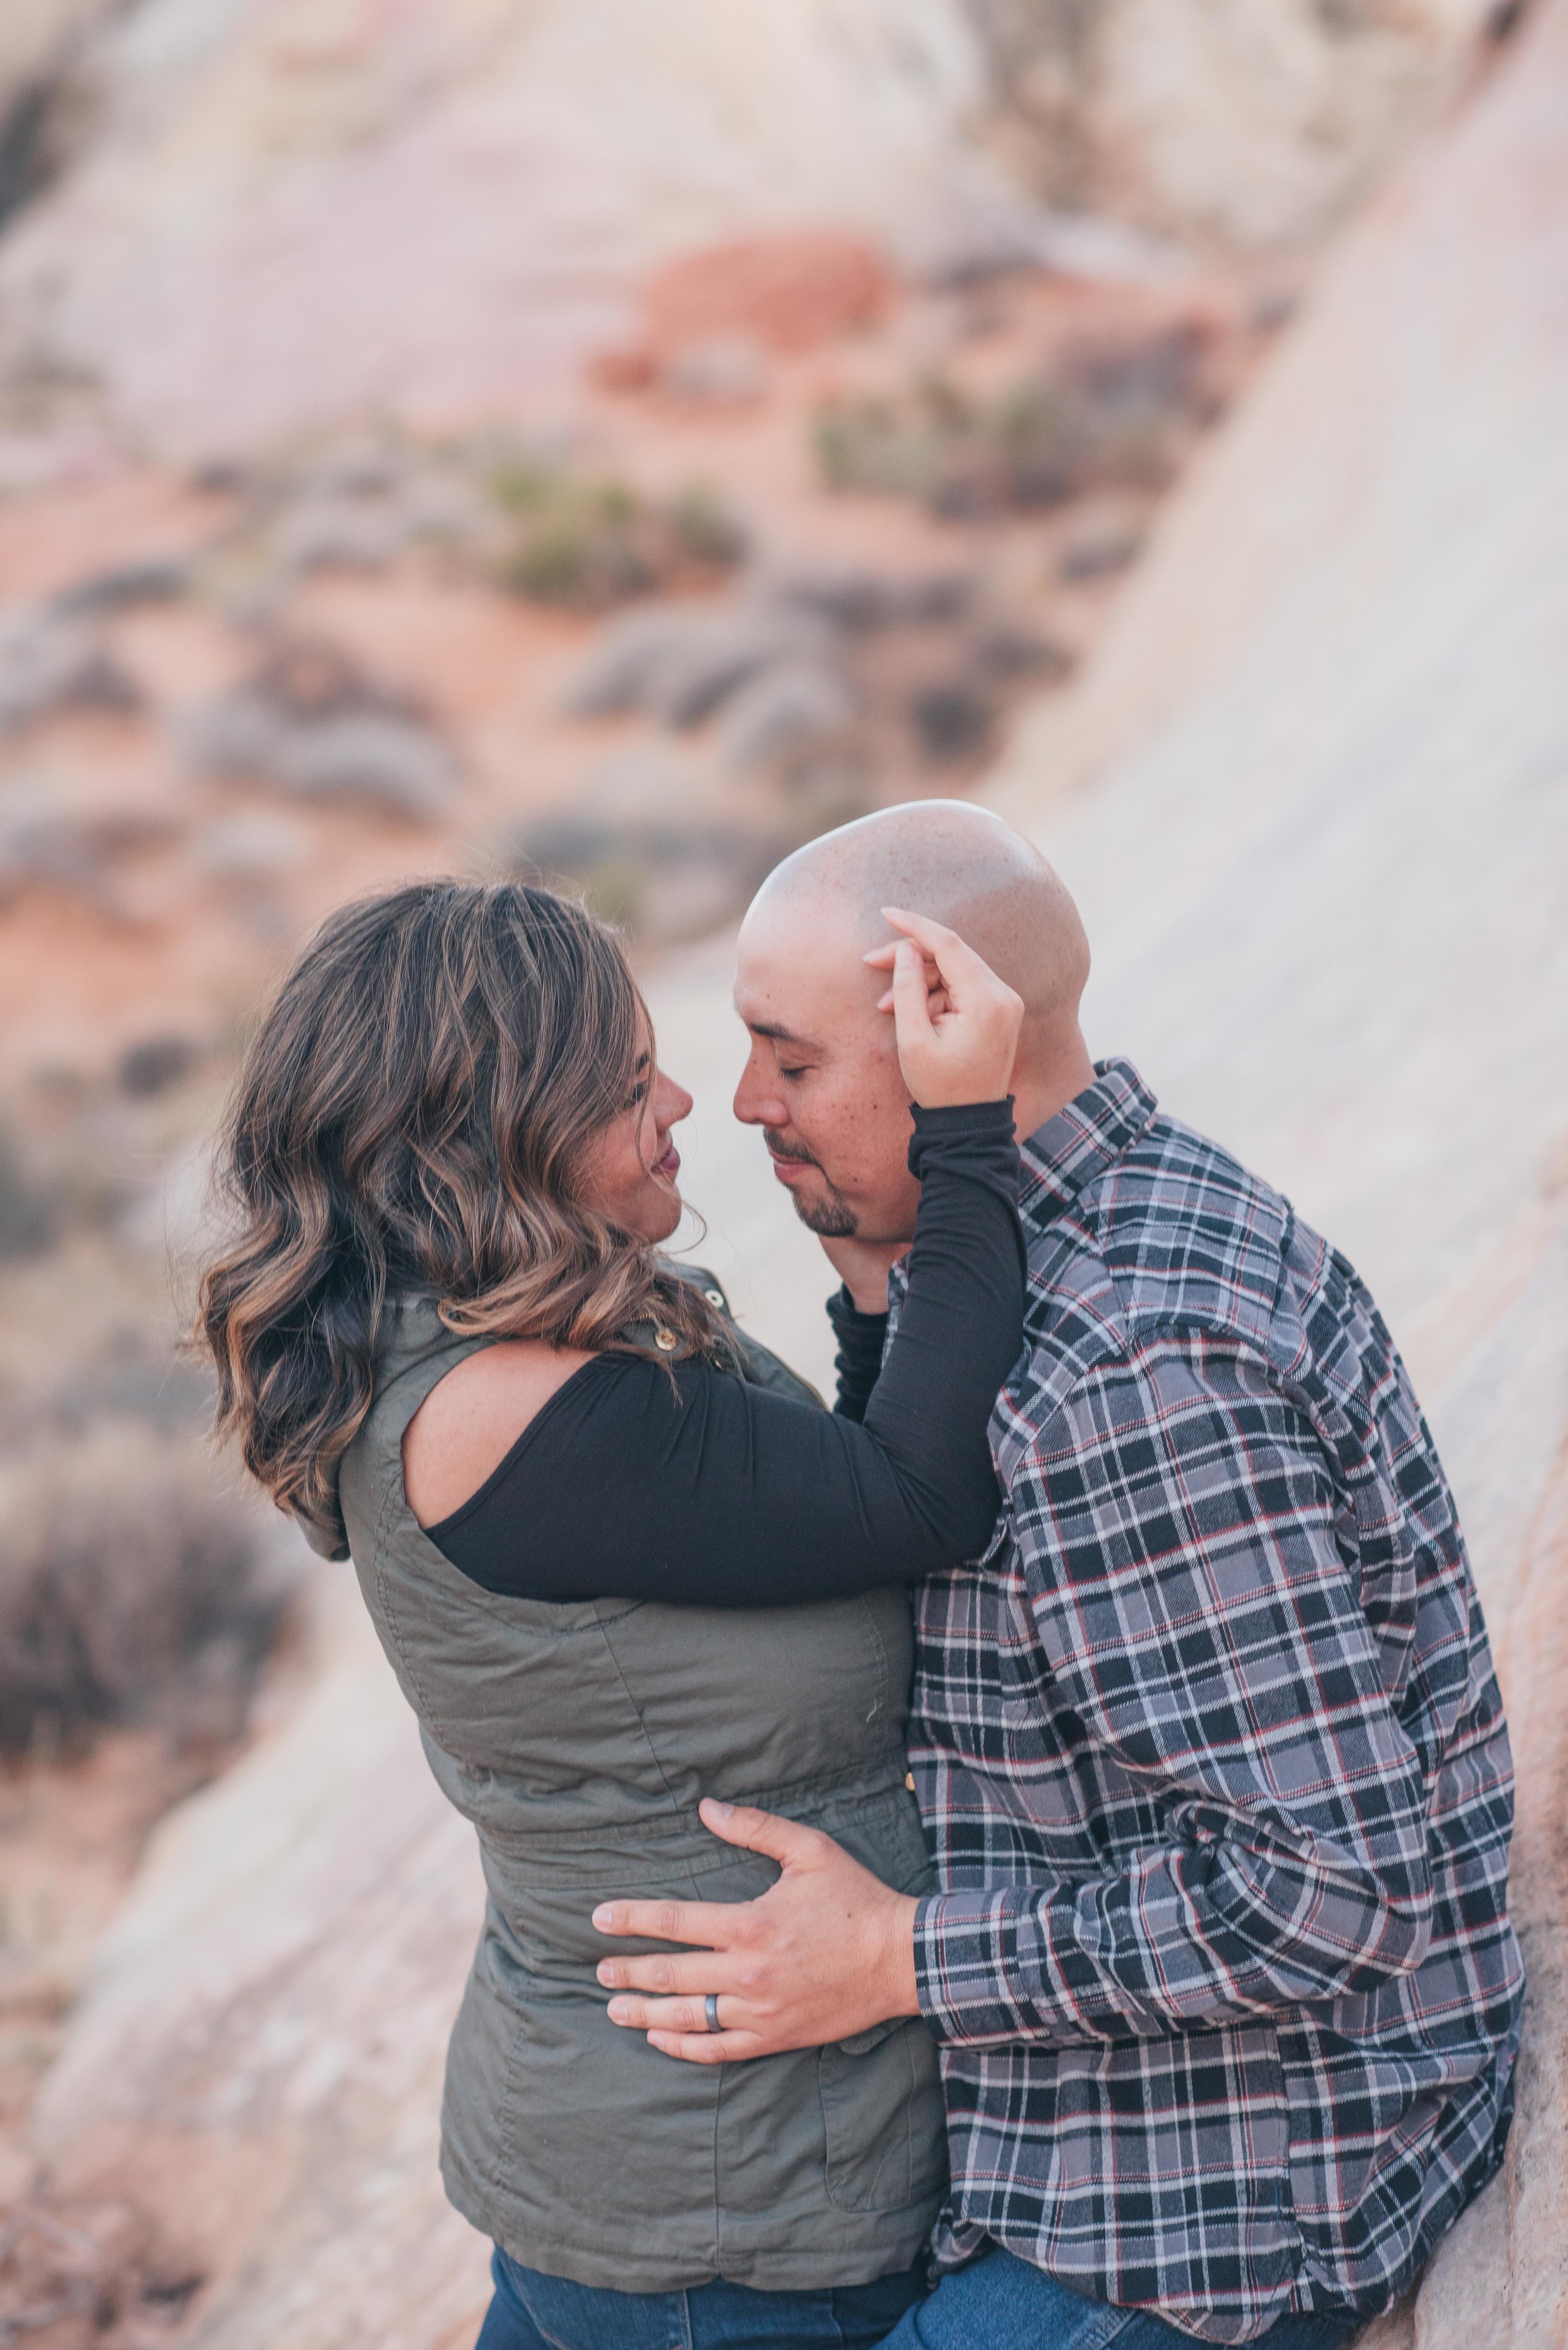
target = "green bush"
x: 1099, y: 420
x: 27, y: 1212
x: 586, y: 542
x: 133, y: 1587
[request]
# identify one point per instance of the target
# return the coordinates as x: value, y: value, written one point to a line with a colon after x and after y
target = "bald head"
x: 962, y: 866
x: 822, y: 1077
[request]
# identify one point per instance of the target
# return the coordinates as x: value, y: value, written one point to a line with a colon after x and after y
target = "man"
x: 1208, y: 1747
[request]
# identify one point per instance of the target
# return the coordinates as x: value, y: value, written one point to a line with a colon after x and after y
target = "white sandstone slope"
x: 1315, y: 800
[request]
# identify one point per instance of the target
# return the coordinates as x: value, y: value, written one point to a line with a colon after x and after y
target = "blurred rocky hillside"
x: 231, y: 218
x: 616, y: 441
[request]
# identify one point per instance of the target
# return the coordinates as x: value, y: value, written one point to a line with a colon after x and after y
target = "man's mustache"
x: 779, y: 1148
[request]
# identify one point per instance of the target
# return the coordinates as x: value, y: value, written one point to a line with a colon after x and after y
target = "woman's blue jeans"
x: 531, y: 2312
x: 996, y: 2304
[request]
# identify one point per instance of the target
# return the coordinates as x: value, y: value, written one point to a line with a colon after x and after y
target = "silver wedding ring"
x: 711, y: 2010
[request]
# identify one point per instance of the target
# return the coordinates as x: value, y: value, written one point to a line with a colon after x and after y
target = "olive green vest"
x: 578, y: 1739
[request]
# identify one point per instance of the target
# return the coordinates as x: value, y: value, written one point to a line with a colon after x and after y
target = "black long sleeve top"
x: 693, y: 1486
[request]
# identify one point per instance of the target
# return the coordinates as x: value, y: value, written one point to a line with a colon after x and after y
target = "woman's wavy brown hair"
x: 413, y: 1115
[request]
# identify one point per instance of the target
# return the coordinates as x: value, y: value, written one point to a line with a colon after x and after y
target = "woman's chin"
x: 664, y: 1214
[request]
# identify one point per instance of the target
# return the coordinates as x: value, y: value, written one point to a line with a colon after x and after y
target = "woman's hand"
x: 956, y: 1022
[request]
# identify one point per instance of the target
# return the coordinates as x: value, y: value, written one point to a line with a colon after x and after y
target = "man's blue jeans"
x: 531, y: 2312
x: 1001, y: 2302
x: 997, y: 2303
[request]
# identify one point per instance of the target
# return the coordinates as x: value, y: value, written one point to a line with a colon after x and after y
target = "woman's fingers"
x: 952, y: 957
x: 924, y: 931
x: 936, y: 994
x: 911, y: 1005
x: 957, y: 1040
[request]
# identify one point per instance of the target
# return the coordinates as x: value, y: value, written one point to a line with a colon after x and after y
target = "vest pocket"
x: 882, y: 2119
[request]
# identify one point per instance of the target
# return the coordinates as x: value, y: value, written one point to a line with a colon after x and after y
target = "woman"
x: 447, y: 1345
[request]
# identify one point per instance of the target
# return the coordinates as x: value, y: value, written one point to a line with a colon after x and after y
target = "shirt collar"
x: 1066, y: 1154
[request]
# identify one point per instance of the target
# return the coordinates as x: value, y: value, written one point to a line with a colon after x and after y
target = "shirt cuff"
x: 859, y: 1360
x: 850, y: 1323
x: 950, y: 1125
x: 965, y: 1946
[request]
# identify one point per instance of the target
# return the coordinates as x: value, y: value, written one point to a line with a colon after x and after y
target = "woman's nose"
x: 671, y: 1102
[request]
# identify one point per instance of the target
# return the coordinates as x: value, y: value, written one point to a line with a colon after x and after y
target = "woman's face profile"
x: 630, y: 1174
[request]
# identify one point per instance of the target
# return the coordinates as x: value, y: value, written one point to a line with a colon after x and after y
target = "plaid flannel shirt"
x: 1214, y: 1769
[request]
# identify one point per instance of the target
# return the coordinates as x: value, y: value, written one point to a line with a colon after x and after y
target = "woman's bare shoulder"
x: 471, y: 1419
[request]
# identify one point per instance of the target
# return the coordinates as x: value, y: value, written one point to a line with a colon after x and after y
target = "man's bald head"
x: 822, y: 1077
x: 962, y: 866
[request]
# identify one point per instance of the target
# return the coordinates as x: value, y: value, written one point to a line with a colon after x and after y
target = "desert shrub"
x: 662, y: 878
x: 133, y: 1588
x: 892, y: 446
x: 311, y: 722
x: 52, y: 659
x: 953, y: 721
x: 587, y: 541
x: 154, y: 1064
x: 682, y: 661
x: 702, y: 527
x: 1098, y: 418
x: 27, y: 1212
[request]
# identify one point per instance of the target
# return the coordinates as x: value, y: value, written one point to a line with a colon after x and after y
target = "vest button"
x: 666, y: 1341
x: 715, y: 1296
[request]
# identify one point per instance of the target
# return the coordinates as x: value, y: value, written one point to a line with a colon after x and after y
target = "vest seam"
x: 881, y: 1647
x: 383, y: 1590
x: 654, y: 1755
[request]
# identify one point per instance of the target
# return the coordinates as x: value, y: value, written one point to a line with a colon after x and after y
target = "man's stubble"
x: 831, y: 1218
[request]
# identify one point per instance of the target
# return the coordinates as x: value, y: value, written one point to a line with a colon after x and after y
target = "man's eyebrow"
x: 771, y: 1028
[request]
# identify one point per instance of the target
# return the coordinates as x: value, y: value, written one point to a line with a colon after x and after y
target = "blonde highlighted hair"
x: 413, y: 1115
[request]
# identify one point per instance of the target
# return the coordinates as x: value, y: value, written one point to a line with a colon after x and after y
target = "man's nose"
x: 757, y: 1103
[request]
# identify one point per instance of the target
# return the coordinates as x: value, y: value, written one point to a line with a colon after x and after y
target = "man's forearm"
x: 1191, y: 1936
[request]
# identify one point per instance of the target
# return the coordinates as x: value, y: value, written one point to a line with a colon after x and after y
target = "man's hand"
x: 827, y: 1952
